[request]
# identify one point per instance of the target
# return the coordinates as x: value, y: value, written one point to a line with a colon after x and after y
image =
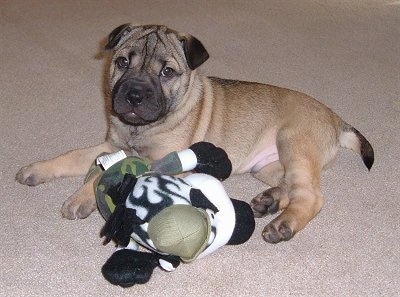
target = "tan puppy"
x: 162, y: 104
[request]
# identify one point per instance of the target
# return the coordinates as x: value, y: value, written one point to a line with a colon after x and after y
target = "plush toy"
x: 175, y: 219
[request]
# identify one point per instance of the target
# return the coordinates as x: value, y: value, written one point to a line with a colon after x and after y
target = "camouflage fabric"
x: 113, y: 176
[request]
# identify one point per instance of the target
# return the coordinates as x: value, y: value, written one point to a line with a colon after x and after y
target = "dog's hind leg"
x: 298, y: 196
x: 298, y: 193
x: 274, y: 198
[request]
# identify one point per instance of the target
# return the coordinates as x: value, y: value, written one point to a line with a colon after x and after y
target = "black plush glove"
x: 119, y: 225
x: 119, y: 192
x: 212, y: 160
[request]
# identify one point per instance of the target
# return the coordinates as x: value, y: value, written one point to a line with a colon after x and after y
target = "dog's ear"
x: 195, y: 52
x: 116, y: 35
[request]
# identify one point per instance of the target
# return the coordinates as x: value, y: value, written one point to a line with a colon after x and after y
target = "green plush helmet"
x: 180, y: 230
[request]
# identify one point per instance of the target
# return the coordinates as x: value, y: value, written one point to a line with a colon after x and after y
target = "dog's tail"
x: 352, y: 139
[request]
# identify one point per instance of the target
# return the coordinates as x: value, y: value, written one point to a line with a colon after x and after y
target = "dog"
x: 161, y: 103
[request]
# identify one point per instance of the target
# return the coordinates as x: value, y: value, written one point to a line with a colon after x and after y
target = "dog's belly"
x: 255, y: 162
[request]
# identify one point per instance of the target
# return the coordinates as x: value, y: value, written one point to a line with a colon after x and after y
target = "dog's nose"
x: 138, y: 93
x: 135, y: 95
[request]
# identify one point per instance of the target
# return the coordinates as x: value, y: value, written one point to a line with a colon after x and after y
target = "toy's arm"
x: 202, y: 157
x: 212, y: 160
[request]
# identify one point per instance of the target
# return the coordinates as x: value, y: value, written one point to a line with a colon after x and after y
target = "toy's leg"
x: 128, y: 267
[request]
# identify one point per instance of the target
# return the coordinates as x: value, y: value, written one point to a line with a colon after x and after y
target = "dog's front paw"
x: 32, y: 175
x: 81, y: 204
x: 72, y: 209
x: 274, y: 233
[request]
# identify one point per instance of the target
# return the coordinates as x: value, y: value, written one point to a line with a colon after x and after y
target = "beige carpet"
x: 346, y: 53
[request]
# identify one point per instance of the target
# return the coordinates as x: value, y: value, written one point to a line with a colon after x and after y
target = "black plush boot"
x: 126, y: 267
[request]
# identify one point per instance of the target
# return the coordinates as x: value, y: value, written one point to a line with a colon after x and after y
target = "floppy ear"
x: 115, y: 36
x: 195, y: 52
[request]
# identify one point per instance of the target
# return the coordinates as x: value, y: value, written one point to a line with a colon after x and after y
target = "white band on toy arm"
x: 188, y: 159
x: 110, y: 159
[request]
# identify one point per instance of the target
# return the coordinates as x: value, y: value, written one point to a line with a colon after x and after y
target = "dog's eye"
x: 122, y: 62
x: 167, y: 72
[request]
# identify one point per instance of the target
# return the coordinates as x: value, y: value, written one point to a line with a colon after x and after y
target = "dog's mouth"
x: 133, y: 118
x: 128, y: 115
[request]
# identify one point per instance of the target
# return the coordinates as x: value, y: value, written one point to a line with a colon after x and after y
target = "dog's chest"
x: 155, y: 148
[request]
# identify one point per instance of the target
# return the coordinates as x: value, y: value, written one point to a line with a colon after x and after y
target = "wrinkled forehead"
x: 154, y: 43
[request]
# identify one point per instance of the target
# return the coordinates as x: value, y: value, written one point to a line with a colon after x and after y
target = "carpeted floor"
x: 346, y: 53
